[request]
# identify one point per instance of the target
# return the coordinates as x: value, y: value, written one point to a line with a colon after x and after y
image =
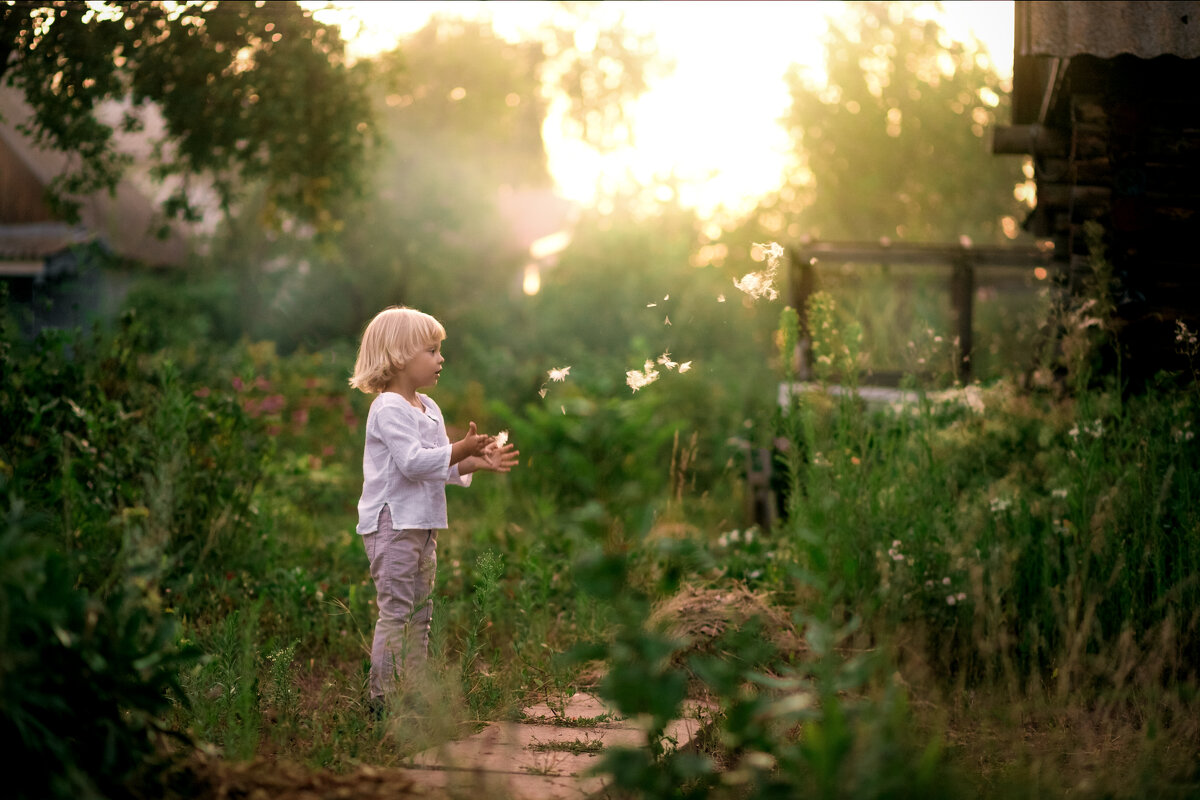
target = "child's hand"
x: 499, y: 457
x: 476, y: 443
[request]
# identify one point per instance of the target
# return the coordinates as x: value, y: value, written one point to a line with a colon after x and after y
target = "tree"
x: 460, y: 112
x: 894, y: 144
x: 248, y: 92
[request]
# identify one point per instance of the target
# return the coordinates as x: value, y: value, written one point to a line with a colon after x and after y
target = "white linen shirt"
x: 406, y: 465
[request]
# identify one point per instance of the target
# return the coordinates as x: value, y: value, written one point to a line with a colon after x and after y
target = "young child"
x: 407, y: 462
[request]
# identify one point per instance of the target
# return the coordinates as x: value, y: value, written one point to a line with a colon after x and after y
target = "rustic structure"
x: 960, y: 260
x: 1105, y: 101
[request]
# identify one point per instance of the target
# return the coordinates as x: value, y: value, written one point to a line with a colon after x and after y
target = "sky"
x: 735, y: 150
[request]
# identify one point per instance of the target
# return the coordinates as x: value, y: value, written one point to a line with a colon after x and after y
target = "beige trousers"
x: 403, y: 566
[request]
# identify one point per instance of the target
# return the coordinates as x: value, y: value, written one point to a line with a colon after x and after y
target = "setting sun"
x: 711, y: 126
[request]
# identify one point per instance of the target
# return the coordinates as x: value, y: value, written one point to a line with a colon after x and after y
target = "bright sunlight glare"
x: 710, y: 127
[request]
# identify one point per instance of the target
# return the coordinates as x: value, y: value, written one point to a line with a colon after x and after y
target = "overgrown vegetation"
x: 985, y: 590
x: 963, y: 584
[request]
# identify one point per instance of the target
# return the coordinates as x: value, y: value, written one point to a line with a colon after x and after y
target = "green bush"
x: 84, y: 681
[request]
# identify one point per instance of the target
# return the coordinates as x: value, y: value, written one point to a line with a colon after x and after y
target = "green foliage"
x: 85, y: 680
x: 1029, y: 521
x: 143, y: 474
x: 248, y: 93
x: 903, y: 103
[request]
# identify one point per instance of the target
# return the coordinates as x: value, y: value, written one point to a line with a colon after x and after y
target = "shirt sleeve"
x: 403, y: 440
x: 457, y: 479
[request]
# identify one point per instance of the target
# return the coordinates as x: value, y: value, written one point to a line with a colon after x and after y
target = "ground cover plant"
x: 981, y: 592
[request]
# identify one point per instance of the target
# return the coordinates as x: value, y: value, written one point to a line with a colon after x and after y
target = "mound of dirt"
x: 700, y: 615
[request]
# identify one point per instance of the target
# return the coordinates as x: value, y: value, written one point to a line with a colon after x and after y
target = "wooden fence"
x: 960, y: 260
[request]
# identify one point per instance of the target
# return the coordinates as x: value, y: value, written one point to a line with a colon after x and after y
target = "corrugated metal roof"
x: 1108, y: 29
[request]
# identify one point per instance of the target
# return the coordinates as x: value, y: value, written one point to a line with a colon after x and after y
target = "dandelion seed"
x: 684, y: 367
x: 665, y: 360
x: 542, y: 392
x: 563, y: 409
x: 501, y: 438
x: 667, y: 320
x: 638, y: 379
x: 758, y: 284
x: 559, y: 373
x: 666, y: 297
x: 720, y: 298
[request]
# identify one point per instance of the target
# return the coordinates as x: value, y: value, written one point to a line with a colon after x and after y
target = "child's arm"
x: 494, y: 459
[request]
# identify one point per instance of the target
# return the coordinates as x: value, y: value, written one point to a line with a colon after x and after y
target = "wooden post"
x: 802, y: 285
x: 962, y: 291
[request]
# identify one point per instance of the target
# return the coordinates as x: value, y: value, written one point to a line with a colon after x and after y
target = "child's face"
x: 425, y: 366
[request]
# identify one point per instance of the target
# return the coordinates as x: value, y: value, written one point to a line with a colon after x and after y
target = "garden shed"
x: 1105, y: 102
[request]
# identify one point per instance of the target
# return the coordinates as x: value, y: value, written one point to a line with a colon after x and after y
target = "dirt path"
x: 547, y: 755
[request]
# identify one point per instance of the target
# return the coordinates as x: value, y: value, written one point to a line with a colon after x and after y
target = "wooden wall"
x: 21, y: 193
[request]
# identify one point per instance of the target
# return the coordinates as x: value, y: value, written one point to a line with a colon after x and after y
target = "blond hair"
x: 393, y: 337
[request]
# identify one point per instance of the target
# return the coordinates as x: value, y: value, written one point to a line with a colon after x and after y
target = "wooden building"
x: 49, y: 264
x: 1106, y: 101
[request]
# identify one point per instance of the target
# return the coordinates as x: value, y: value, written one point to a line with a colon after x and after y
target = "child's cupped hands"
x: 500, y: 456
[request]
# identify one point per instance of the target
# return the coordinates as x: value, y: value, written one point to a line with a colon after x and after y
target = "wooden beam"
x: 1034, y: 140
x: 946, y: 255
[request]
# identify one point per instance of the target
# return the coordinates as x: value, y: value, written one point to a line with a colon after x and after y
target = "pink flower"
x: 238, y: 384
x: 272, y: 404
x: 203, y: 391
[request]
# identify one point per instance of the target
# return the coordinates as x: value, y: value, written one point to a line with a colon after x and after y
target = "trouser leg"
x: 403, y: 566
